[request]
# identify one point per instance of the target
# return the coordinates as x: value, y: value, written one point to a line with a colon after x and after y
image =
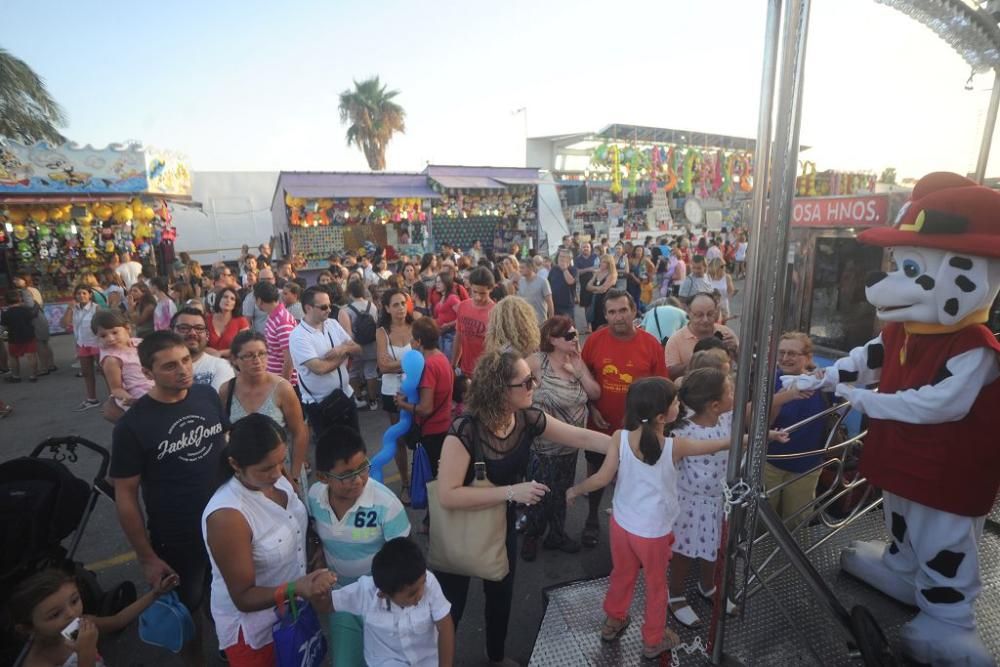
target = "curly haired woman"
x: 513, y: 325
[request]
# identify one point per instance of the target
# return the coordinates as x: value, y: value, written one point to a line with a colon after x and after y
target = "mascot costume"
x: 933, y: 443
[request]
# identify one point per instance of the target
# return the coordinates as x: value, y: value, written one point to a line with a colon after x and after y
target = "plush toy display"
x: 932, y: 445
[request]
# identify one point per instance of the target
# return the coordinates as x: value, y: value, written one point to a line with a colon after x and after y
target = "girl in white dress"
x: 708, y: 393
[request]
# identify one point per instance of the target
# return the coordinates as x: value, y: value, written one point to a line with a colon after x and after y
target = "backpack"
x: 364, y: 326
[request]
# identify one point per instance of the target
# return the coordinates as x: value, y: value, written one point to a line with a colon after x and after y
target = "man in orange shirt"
x: 617, y: 355
x: 473, y: 317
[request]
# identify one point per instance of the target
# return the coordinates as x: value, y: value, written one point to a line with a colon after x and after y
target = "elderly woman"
x: 512, y: 325
x: 255, y: 529
x: 501, y: 422
x: 564, y: 387
x: 255, y: 390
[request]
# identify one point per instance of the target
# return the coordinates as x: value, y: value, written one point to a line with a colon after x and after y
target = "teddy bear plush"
x: 933, y: 444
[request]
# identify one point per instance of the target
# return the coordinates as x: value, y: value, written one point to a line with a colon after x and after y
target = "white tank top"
x: 645, y: 501
x: 723, y: 286
x: 392, y: 382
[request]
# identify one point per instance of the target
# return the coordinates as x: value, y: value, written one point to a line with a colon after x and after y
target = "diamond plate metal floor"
x: 773, y: 631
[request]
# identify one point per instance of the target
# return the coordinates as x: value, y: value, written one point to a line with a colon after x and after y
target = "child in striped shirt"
x: 354, y: 516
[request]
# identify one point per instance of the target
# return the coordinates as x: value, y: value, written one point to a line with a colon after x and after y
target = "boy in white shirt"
x: 407, y: 619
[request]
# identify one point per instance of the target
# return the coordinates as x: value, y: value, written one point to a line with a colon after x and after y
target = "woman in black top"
x: 500, y: 417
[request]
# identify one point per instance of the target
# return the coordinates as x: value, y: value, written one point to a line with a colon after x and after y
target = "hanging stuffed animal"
x: 746, y: 173
x: 616, y: 174
x: 932, y: 442
x: 654, y: 160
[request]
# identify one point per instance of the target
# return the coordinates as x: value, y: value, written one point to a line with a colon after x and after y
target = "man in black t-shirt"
x: 169, y: 444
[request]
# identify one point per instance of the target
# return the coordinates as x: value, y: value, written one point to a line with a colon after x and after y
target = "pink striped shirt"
x: 277, y: 329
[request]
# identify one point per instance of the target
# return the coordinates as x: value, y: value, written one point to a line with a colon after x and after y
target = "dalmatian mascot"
x: 933, y: 444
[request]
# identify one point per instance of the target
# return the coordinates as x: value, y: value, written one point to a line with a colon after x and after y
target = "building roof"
x: 342, y: 185
x: 659, y: 135
x: 454, y: 177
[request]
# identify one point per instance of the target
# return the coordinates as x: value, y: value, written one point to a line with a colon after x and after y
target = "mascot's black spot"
x: 963, y: 263
x: 898, y: 527
x: 964, y: 284
x: 848, y: 376
x: 874, y: 277
x: 926, y: 282
x: 942, y: 374
x: 876, y: 355
x: 951, y: 306
x: 893, y: 549
x: 946, y: 563
x: 942, y: 595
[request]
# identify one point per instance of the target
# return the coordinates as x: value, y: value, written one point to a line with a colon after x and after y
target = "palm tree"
x: 27, y: 111
x: 373, y: 118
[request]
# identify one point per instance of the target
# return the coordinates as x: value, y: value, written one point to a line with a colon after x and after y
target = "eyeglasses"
x: 527, y: 384
x: 187, y: 328
x: 569, y: 336
x: 347, y: 476
x: 250, y: 356
x: 790, y: 353
x: 324, y: 307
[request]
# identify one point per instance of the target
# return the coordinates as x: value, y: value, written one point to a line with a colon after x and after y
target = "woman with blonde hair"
x: 513, y: 325
x: 604, y: 280
x: 723, y: 283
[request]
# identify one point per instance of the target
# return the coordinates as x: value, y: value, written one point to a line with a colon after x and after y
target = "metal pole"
x: 772, y: 26
x: 991, y: 122
x: 769, y: 251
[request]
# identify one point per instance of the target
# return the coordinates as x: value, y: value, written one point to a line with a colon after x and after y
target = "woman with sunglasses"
x: 500, y: 421
x: 564, y: 387
x: 254, y: 390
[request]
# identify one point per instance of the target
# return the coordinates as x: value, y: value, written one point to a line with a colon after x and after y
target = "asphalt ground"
x: 45, y: 410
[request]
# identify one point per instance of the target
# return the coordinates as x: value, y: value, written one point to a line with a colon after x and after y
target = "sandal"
x: 591, y: 535
x: 404, y: 495
x: 731, y: 608
x: 612, y: 629
x: 685, y: 614
x: 670, y: 641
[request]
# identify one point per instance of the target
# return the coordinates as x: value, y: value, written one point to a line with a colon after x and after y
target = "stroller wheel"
x: 871, y: 641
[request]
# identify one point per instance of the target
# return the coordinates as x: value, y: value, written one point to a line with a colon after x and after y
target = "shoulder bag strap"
x: 659, y: 329
x: 229, y: 399
x: 340, y: 376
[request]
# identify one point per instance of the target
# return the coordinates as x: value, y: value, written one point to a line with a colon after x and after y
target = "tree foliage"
x: 374, y: 118
x: 27, y: 112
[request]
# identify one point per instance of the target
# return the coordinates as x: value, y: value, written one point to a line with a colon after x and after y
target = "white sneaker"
x: 360, y: 403
x: 88, y: 404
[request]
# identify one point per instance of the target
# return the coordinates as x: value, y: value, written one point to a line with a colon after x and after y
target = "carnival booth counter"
x: 65, y: 210
x: 317, y: 214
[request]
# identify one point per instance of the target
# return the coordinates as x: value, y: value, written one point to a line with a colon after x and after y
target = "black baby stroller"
x: 42, y: 503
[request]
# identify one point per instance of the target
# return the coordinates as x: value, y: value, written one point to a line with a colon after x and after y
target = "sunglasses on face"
x: 527, y: 384
x: 569, y: 336
x: 347, y: 476
x: 323, y: 307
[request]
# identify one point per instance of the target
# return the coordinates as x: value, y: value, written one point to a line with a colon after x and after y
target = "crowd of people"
x: 235, y: 396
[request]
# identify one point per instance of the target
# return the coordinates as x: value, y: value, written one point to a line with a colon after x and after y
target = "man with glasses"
x: 355, y: 515
x: 189, y: 323
x: 703, y: 321
x: 320, y: 350
x: 616, y: 355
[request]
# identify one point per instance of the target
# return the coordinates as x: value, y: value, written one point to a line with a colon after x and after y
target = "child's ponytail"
x: 701, y: 387
x: 647, y: 399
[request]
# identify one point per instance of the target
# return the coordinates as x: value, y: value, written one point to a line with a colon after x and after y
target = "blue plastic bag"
x: 167, y: 623
x: 298, y: 637
x: 419, y: 476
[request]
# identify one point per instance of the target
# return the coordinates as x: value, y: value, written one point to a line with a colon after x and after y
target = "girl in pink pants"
x: 645, y: 507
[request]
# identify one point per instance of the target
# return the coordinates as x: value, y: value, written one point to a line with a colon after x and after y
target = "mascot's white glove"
x: 801, y: 382
x: 848, y: 392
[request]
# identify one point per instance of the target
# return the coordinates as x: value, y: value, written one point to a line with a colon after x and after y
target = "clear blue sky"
x: 253, y: 85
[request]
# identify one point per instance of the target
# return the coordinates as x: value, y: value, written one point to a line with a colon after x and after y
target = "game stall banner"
x: 862, y: 211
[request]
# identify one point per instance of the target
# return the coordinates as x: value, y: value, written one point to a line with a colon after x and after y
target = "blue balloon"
x: 413, y: 368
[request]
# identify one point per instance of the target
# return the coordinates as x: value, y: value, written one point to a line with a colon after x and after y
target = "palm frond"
x: 27, y: 110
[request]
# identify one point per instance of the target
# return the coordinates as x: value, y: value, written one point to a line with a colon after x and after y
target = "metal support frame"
x: 988, y: 128
x: 771, y: 213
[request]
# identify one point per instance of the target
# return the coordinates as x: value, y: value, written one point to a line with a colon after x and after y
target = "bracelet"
x: 510, y: 493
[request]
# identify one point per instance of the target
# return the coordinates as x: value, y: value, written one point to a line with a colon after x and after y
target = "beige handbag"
x: 468, y: 542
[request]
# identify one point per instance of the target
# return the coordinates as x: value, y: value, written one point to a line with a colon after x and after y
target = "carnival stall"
x: 64, y: 210
x: 497, y: 206
x: 317, y: 214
